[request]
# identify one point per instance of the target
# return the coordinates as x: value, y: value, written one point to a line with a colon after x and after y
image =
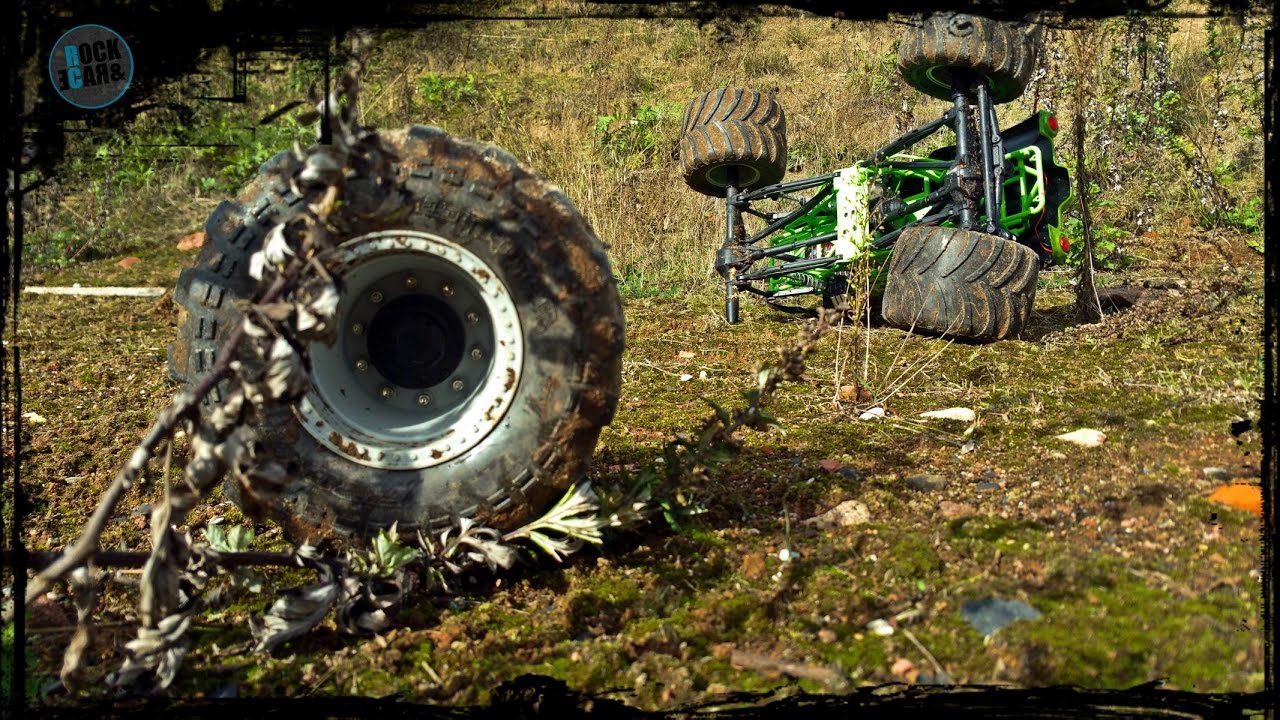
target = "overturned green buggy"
x: 952, y: 241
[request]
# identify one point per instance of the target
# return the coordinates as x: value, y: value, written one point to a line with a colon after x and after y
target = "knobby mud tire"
x: 733, y: 129
x: 960, y: 283
x: 515, y: 226
x: 1004, y: 53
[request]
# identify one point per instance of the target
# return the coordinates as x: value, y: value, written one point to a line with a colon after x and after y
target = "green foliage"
x: 631, y: 141
x: 237, y: 539
x: 387, y: 556
x: 34, y: 679
x: 448, y: 93
x: 1108, y: 252
x: 1158, y: 121
x: 1247, y: 218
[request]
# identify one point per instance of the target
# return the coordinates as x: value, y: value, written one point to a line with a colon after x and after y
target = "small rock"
x: 191, y: 242
x: 846, y: 514
x: 1055, y: 455
x: 854, y: 393
x: 962, y: 414
x: 967, y: 448
x: 1217, y: 473
x: 34, y: 418
x: 1084, y: 437
x: 880, y: 627
x: 926, y: 482
x: 905, y: 669
x: 787, y: 555
x: 685, y: 377
x: 129, y: 262
x: 831, y: 466
x: 827, y: 635
x: 955, y: 511
x: 686, y: 355
x: 874, y: 413
x: 988, y: 485
x: 989, y: 615
x: 702, y: 374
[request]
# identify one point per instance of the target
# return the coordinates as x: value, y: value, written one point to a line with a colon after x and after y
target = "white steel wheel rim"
x: 428, y: 354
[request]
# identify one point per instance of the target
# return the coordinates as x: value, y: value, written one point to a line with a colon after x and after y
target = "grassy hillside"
x: 1135, y: 574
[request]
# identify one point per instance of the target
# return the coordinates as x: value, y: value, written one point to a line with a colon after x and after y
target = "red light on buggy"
x: 1053, y: 123
x: 1065, y: 243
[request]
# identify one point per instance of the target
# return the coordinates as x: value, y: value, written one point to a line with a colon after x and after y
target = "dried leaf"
x: 285, y: 377
x: 275, y: 247
x: 295, y: 612
x: 156, y: 652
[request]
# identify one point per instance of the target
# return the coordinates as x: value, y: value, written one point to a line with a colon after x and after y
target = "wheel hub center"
x: 416, y: 341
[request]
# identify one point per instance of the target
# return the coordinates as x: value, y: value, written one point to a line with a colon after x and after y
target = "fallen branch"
x: 184, y: 407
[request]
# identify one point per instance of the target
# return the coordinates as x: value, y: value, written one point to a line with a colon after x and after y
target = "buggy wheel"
x: 1001, y: 52
x: 733, y: 130
x: 477, y: 354
x: 960, y: 283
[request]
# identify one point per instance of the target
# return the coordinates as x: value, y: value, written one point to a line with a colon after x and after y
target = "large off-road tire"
x: 733, y: 132
x: 478, y: 352
x: 960, y: 283
x: 1002, y: 52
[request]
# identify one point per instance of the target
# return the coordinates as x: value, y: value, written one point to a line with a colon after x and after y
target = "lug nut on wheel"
x: 411, y: 282
x: 386, y: 392
x: 362, y: 365
x: 375, y: 297
x: 473, y: 318
x: 424, y: 399
x: 446, y: 290
x: 477, y: 353
x: 357, y: 329
x: 457, y: 385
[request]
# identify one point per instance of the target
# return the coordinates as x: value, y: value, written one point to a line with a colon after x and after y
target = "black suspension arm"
x: 987, y: 138
x: 787, y: 269
x: 782, y: 221
x: 786, y: 187
x: 913, y: 136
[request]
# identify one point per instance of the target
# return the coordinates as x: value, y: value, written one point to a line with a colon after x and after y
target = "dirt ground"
x: 1119, y: 568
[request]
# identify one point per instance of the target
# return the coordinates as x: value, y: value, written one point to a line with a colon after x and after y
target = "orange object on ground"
x: 1244, y: 496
